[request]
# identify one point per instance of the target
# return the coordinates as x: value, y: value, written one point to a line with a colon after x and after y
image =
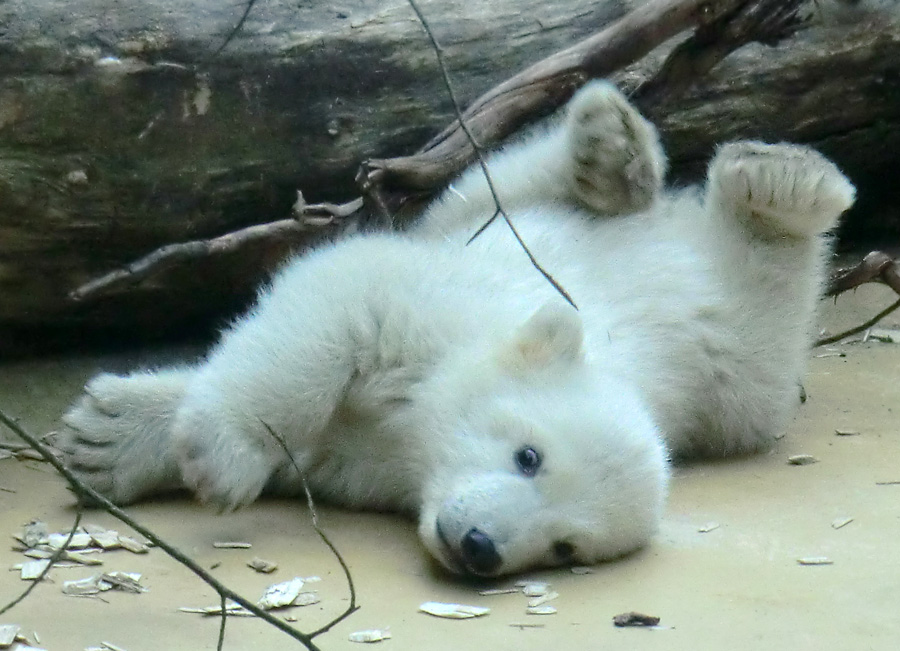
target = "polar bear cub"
x: 413, y: 372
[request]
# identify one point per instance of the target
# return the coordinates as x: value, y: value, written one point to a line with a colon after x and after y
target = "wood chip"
x: 534, y: 588
x: 306, y: 599
x: 846, y: 432
x: 31, y: 570
x: 635, y: 619
x: 111, y: 646
x: 86, y: 586
x: 34, y: 534
x: 541, y: 610
x: 840, y: 522
x: 540, y: 600
x: 802, y: 460
x: 232, y: 545
x: 107, y: 539
x: 815, y: 560
x: 81, y: 558
x: 279, y: 595
x: 92, y: 528
x: 498, y: 591
x: 132, y: 545
x: 262, y: 566
x: 79, y: 540
x: 370, y: 636
x: 29, y: 454
x: 709, y: 526
x: 126, y: 581
x: 8, y: 633
x: 453, y: 611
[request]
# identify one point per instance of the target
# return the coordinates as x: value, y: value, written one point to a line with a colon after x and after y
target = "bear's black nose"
x: 479, y: 553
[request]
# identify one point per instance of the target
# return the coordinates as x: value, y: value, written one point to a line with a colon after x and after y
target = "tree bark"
x: 121, y: 133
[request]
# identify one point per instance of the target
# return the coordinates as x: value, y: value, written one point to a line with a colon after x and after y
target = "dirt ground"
x: 738, y: 585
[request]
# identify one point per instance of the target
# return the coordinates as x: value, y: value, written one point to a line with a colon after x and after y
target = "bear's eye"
x: 528, y: 461
x: 563, y: 551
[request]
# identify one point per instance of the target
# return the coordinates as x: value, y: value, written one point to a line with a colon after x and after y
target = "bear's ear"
x: 552, y: 334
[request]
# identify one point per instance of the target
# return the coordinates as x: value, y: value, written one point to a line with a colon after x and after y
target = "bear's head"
x: 546, y: 461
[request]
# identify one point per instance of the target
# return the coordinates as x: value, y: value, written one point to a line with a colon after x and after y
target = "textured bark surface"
x: 119, y: 133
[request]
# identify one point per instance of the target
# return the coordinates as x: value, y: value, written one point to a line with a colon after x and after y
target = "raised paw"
x: 618, y: 163
x: 785, y: 189
x: 116, y: 438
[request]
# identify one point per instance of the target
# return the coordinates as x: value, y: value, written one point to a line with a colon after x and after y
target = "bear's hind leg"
x: 117, y: 438
x: 778, y: 190
x: 766, y: 208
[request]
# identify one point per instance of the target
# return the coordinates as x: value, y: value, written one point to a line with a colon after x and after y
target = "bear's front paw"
x: 225, y: 471
x: 788, y: 189
x: 116, y: 438
x: 618, y: 164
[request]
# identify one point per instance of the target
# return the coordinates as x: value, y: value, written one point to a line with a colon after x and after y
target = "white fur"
x: 408, y: 371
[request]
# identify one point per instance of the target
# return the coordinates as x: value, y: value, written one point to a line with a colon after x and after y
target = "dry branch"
x: 877, y: 266
x: 316, y: 217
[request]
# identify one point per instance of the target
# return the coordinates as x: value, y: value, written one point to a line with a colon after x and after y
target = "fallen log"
x: 121, y: 131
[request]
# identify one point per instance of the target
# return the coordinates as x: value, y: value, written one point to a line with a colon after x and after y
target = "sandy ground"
x: 738, y: 586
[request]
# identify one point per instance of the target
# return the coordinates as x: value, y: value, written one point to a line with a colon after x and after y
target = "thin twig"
x: 438, y: 50
x: 86, y: 492
x: 864, y: 326
x: 352, y: 608
x: 234, y: 31
x: 220, y: 645
x: 52, y: 561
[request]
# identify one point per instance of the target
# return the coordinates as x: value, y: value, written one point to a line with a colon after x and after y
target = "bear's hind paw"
x: 789, y: 189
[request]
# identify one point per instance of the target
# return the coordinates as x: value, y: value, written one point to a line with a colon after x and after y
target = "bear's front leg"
x: 221, y: 447
x: 251, y: 412
x: 617, y: 163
